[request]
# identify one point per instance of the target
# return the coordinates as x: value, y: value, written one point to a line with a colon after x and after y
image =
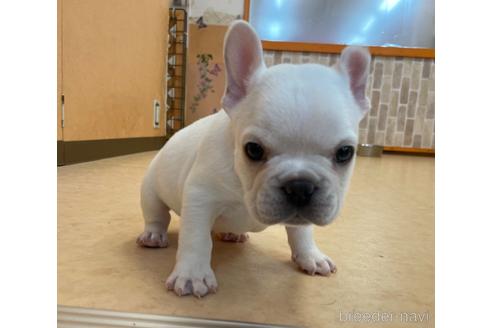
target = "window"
x: 377, y: 23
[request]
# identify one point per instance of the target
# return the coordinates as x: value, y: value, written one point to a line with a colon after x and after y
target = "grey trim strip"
x: 91, y: 150
x: 71, y: 317
x: 60, y: 156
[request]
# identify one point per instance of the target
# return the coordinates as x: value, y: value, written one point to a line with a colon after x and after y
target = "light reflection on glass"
x: 274, y: 30
x: 400, y: 23
x: 368, y: 24
x: 388, y: 5
x: 358, y: 40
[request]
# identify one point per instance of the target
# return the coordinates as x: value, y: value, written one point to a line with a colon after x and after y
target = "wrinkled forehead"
x: 303, y: 106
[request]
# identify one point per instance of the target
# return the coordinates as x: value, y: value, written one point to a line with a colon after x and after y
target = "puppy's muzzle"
x: 299, y: 192
x: 296, y: 198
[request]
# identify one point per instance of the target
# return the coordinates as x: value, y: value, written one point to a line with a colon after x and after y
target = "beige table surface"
x: 382, y: 243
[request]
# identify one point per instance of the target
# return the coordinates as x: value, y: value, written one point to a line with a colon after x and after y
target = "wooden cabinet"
x: 111, y: 67
x: 59, y: 131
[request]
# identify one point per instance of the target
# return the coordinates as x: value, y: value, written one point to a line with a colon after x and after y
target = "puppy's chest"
x: 236, y: 219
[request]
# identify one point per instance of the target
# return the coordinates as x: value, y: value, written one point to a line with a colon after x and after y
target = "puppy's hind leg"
x: 157, y: 218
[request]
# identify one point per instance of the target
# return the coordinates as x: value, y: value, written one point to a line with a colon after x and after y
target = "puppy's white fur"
x: 300, y: 115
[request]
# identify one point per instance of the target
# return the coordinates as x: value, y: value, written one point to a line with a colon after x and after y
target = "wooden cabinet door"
x: 59, y: 131
x: 113, y: 67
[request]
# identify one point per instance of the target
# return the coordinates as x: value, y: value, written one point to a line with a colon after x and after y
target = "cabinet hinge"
x: 63, y: 111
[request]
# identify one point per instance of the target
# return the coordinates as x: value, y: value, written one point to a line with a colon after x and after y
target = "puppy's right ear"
x: 243, y: 57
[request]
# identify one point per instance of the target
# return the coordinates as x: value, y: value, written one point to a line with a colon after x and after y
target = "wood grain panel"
x: 59, y: 132
x: 337, y: 48
x: 114, y: 55
x: 408, y: 150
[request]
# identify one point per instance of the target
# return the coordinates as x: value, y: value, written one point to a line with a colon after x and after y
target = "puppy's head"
x: 295, y: 129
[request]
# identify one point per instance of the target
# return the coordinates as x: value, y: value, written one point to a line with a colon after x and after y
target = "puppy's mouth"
x: 294, y: 217
x: 276, y: 211
x: 296, y: 220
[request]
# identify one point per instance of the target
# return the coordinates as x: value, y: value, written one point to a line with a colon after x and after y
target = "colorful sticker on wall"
x: 207, y: 75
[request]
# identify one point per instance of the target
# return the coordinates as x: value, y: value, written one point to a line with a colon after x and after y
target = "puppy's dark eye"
x: 344, y: 154
x: 254, y: 151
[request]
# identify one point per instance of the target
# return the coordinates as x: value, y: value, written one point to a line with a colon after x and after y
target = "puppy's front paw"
x: 152, y: 239
x: 196, y: 279
x: 314, y: 262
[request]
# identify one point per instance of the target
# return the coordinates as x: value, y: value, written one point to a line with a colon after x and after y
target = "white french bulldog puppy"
x: 280, y: 152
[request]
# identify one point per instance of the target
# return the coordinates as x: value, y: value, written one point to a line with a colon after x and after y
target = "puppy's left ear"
x: 354, y: 63
x: 243, y: 57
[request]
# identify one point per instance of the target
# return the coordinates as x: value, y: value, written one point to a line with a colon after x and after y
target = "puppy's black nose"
x: 299, y: 191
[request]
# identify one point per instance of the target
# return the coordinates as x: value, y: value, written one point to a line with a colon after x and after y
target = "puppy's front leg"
x: 305, y: 252
x: 192, y: 273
